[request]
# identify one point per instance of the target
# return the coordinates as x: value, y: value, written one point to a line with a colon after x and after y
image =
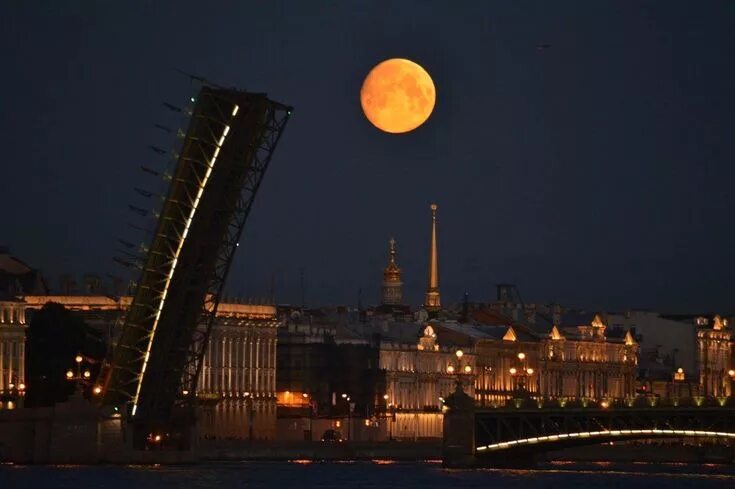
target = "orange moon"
x: 397, y: 96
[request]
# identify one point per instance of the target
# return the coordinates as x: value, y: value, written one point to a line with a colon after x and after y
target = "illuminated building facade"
x: 12, y: 353
x: 573, y: 360
x: 237, y: 391
x: 715, y: 356
x: 418, y: 375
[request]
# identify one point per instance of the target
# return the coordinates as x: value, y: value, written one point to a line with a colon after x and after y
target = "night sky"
x: 595, y: 173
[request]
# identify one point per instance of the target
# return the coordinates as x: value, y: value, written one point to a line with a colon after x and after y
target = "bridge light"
x: 521, y: 356
x: 513, y: 370
x: 467, y: 369
x: 385, y: 397
x: 78, y: 359
x: 450, y: 369
x: 459, y: 353
x: 529, y: 371
x: 87, y: 374
x: 681, y: 370
x: 97, y: 390
x: 21, y: 387
x: 604, y: 404
x: 69, y: 374
x: 731, y: 373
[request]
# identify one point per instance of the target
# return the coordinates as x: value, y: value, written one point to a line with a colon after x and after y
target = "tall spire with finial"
x: 392, y: 285
x: 432, y: 302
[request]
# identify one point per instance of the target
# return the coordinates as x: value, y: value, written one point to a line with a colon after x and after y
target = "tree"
x: 54, y: 337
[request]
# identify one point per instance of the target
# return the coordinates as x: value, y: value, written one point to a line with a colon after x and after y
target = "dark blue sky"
x: 595, y: 173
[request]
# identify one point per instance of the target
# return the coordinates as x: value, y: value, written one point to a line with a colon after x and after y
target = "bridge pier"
x: 458, y: 445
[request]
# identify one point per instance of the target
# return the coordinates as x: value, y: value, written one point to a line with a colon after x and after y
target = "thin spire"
x: 433, y: 300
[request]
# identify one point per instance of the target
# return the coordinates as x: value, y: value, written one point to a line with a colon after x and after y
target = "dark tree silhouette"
x: 55, y: 336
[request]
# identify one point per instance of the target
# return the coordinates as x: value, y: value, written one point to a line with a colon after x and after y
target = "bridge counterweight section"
x: 224, y: 155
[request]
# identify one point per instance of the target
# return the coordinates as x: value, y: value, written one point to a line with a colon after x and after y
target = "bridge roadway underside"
x: 510, y: 435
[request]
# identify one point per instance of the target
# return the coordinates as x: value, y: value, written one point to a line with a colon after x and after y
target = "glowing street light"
x: 731, y: 373
x: 97, y: 390
x: 521, y: 356
x: 529, y: 371
x: 87, y: 374
x: 513, y: 370
x: 459, y: 353
x: 78, y: 359
x: 450, y: 369
x: 69, y: 374
x: 467, y: 369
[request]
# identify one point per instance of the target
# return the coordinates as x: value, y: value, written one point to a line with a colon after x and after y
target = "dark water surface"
x: 359, y: 475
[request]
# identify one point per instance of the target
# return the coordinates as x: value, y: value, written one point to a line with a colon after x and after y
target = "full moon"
x: 397, y: 96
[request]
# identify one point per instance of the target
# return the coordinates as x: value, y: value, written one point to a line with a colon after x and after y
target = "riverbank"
x: 236, y: 450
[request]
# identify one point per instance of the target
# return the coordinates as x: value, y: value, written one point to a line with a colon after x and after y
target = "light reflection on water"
x: 367, y: 475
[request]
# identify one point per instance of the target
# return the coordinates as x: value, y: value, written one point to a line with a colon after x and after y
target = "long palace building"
x: 237, y: 383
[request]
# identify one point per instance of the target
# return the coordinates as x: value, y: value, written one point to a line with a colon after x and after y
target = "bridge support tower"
x: 458, y: 445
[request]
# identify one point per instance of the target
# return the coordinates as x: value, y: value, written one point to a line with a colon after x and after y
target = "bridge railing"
x: 630, y: 402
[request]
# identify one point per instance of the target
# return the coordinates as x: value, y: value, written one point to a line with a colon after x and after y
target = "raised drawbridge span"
x: 223, y: 157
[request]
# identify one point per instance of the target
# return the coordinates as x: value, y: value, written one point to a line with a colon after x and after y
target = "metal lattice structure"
x: 224, y: 155
x: 525, y: 431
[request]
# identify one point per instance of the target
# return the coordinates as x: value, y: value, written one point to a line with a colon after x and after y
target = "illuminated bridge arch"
x: 605, y: 435
x: 505, y: 430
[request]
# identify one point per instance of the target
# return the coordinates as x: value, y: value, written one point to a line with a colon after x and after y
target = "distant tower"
x: 433, y: 302
x: 392, y: 285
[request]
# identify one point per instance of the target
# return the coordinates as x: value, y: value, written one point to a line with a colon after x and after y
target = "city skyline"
x: 570, y: 151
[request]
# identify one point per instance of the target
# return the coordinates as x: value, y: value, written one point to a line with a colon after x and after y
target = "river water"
x: 364, y: 475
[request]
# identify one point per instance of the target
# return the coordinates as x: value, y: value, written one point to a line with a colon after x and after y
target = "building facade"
x: 715, y: 356
x: 418, y: 376
x: 237, y: 383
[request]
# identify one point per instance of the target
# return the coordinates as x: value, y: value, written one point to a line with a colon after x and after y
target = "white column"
x: 257, y: 364
x: 2, y: 363
x: 21, y: 362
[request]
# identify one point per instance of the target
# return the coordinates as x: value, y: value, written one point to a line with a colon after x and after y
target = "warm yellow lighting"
x: 459, y: 353
x: 681, y: 370
x: 87, y: 374
x: 450, y: 369
x: 385, y: 397
x: 397, y: 96
x: 97, y: 390
x: 467, y: 369
x: 288, y: 393
x: 344, y: 396
x: 167, y: 282
x: 69, y: 374
x: 157, y: 438
x: 11, y: 405
x: 78, y: 359
x: 521, y: 356
x: 513, y: 370
x: 305, y: 395
x: 11, y: 386
x: 530, y: 371
x: 21, y: 387
x: 604, y: 404
x: 185, y: 392
x: 731, y: 373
